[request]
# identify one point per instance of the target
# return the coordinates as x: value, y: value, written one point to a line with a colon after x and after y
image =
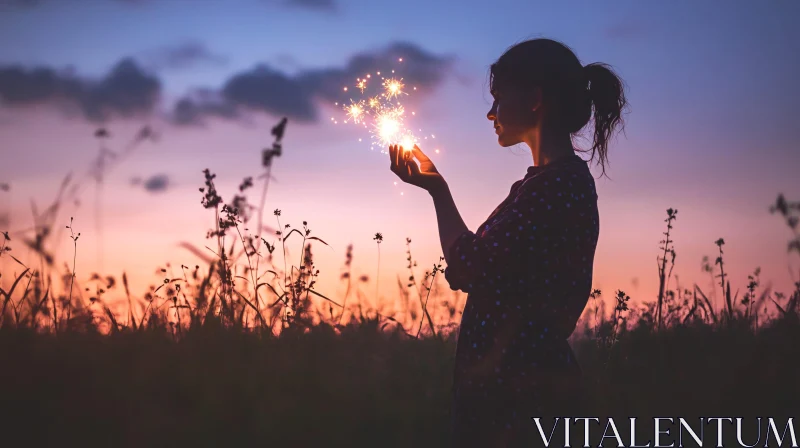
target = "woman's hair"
x: 569, y: 89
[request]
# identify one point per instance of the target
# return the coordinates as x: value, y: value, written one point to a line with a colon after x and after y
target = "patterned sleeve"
x: 517, y: 243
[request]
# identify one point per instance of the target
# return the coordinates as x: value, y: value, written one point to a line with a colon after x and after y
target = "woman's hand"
x: 424, y: 176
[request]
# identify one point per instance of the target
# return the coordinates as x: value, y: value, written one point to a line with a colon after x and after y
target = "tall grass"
x: 245, y: 350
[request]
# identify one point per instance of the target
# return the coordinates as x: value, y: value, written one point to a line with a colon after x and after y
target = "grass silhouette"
x: 246, y: 351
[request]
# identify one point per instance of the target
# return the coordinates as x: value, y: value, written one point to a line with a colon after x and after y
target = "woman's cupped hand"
x: 404, y: 165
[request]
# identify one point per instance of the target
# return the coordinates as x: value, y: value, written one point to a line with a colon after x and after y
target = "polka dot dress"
x: 528, y: 274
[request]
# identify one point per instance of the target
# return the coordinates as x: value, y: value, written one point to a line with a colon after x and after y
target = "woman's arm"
x: 548, y: 218
x: 450, y: 223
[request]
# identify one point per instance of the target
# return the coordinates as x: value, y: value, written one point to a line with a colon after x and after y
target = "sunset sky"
x: 713, y: 129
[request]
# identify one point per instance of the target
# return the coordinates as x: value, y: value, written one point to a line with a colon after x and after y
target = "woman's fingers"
x: 393, y: 157
x: 397, y: 160
x: 413, y: 168
x: 403, y: 156
x: 420, y: 155
x: 398, y: 166
x: 403, y: 164
x: 401, y: 159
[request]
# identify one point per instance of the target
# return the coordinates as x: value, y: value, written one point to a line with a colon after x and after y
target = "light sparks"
x: 374, y: 103
x: 394, y: 88
x: 355, y: 111
x: 381, y: 112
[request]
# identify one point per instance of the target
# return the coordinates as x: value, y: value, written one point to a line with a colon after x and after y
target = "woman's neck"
x: 547, y: 148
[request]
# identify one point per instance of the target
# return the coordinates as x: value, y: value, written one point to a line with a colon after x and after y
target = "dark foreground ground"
x: 225, y: 387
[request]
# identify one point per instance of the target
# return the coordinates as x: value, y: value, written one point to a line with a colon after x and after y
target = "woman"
x: 528, y: 268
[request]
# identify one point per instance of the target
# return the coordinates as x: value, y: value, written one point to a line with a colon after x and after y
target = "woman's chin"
x: 503, y: 142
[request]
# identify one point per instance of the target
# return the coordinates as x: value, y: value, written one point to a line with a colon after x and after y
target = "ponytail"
x: 607, y: 96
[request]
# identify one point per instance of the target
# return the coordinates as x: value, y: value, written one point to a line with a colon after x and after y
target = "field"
x: 245, y: 351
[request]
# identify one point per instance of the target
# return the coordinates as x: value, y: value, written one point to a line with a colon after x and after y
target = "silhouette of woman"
x: 528, y: 268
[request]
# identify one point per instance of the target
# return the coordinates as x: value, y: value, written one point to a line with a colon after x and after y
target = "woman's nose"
x: 491, y: 115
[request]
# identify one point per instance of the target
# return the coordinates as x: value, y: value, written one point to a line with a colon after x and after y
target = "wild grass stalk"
x: 378, y: 239
x: 436, y: 268
x: 726, y: 294
x: 74, y: 238
x: 663, y: 278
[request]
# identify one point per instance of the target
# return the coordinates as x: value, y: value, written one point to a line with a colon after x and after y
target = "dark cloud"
x: 19, y: 3
x: 154, y: 184
x: 24, y: 4
x: 157, y: 183
x: 269, y: 90
x: 183, y: 56
x: 322, y: 5
x: 419, y: 68
x: 201, y: 104
x: 126, y: 91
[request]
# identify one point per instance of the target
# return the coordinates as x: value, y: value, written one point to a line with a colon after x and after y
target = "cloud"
x: 321, y: 5
x: 271, y: 91
x: 126, y: 91
x: 327, y: 6
x: 21, y: 4
x: 201, y: 104
x: 266, y: 89
x: 154, y: 184
x: 129, y: 91
x: 26, y: 4
x: 186, y: 55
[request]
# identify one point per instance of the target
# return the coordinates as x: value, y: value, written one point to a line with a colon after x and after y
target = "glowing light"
x: 381, y: 112
x: 388, y: 125
x: 407, y: 142
x: 374, y: 103
x: 355, y: 111
x: 393, y: 87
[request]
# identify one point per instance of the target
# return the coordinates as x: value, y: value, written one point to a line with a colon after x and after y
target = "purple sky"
x: 712, y: 131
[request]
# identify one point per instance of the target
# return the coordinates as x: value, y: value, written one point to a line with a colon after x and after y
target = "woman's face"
x: 513, y: 114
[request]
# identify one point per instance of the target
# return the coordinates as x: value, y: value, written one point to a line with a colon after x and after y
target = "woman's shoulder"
x: 573, y: 174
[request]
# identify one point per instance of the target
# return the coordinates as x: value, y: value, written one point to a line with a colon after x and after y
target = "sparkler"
x: 381, y: 112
